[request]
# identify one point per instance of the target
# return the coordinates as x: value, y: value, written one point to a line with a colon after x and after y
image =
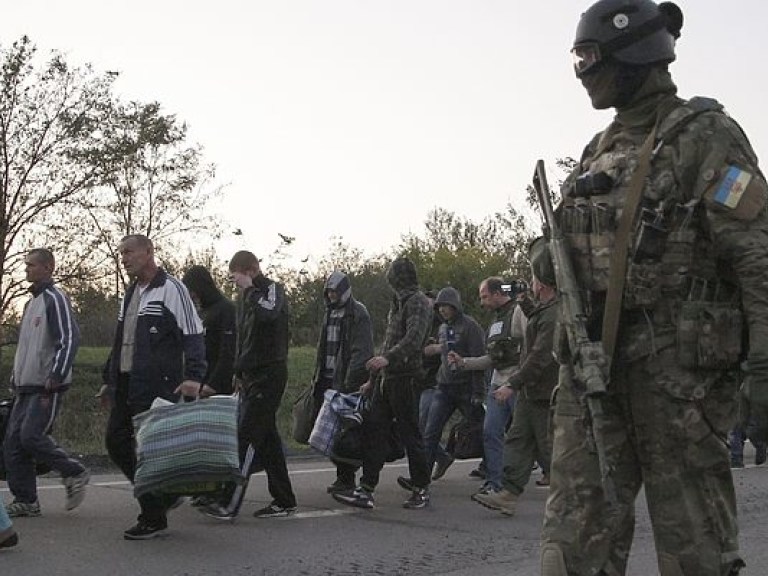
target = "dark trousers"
x: 121, y: 446
x: 393, y: 398
x: 259, y: 439
x: 28, y: 442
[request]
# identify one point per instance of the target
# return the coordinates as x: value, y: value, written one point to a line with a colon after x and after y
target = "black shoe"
x: 10, y: 541
x: 441, y: 466
x: 217, y: 511
x: 275, y: 511
x: 340, y: 486
x: 477, y: 473
x: 760, y: 454
x: 202, y: 501
x: 359, y: 497
x: 145, y: 531
x: 405, y: 483
x: 419, y: 499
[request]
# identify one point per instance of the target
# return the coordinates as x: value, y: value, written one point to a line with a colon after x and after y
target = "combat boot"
x: 504, y: 501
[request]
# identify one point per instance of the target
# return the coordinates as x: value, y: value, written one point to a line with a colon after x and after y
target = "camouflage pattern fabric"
x: 673, y: 384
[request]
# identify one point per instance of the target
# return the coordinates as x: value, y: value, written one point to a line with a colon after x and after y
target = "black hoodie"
x: 218, y: 315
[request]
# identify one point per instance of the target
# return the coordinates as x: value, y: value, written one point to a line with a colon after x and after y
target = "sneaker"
x: 503, y: 501
x: 405, y: 483
x: 484, y: 489
x: 202, y: 501
x: 217, y: 511
x: 144, y: 530
x: 339, y: 486
x: 18, y: 509
x: 275, y: 511
x: 419, y: 499
x: 10, y: 540
x: 359, y: 497
x: 441, y: 466
x: 477, y: 473
x: 75, y: 489
x: 760, y: 454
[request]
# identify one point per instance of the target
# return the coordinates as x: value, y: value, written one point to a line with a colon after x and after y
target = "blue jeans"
x: 497, y: 416
x: 425, y: 406
x: 445, y: 400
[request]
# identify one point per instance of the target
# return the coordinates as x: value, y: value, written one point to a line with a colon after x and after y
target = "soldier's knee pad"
x: 669, y: 566
x: 552, y: 561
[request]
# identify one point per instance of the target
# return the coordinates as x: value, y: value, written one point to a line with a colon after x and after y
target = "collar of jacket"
x: 39, y: 287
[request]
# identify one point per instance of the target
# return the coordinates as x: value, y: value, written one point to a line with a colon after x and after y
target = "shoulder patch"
x: 739, y: 192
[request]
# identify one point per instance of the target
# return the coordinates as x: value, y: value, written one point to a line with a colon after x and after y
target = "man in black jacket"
x: 345, y: 345
x: 261, y: 372
x: 393, y: 395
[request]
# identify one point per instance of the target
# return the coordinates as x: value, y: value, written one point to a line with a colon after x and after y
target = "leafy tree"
x: 50, y: 121
x: 151, y: 182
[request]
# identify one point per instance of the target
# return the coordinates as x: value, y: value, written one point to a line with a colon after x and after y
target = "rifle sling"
x: 618, y: 266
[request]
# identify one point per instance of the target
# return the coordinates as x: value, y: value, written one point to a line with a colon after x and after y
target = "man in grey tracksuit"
x: 42, y: 372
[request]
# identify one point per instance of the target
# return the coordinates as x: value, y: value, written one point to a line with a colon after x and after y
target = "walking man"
x: 158, y: 352
x: 261, y: 372
x: 42, y: 373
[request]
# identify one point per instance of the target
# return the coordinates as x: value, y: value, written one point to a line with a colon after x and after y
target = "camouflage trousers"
x: 665, y: 429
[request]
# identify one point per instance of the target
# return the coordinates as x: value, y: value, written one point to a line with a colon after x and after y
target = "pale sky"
x: 354, y: 118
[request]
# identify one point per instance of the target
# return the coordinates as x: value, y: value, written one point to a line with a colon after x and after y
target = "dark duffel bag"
x: 466, y: 439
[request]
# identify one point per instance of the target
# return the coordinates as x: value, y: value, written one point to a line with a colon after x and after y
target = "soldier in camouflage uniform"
x: 688, y: 275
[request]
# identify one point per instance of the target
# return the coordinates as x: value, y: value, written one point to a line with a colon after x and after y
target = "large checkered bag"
x: 188, y: 448
x: 338, y: 410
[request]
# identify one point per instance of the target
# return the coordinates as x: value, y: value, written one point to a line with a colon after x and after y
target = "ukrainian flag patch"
x: 732, y: 187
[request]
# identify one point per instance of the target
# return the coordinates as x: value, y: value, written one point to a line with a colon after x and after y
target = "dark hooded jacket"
x: 356, y: 337
x: 409, y: 320
x: 218, y: 315
x: 468, y: 341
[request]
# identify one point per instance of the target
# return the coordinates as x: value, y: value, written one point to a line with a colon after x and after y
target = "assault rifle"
x: 588, y: 359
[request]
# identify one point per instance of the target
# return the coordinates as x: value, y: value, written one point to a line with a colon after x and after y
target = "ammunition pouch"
x: 709, y: 335
x: 592, y: 259
x: 643, y: 286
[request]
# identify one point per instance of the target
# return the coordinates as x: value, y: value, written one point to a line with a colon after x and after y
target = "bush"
x: 81, y: 424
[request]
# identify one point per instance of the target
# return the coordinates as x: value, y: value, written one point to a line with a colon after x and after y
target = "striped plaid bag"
x: 187, y: 448
x: 337, y: 409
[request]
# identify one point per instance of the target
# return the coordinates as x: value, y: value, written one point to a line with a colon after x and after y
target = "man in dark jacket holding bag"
x: 393, y: 395
x: 261, y: 370
x: 345, y: 345
x: 158, y: 352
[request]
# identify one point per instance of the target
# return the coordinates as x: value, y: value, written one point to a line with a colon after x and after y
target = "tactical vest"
x: 675, y: 290
x: 501, y: 346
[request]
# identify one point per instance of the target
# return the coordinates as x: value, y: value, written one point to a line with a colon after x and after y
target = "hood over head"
x: 199, y: 280
x: 449, y: 296
x: 339, y: 282
x: 401, y: 275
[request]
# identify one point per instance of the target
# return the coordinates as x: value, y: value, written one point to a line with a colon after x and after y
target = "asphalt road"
x: 453, y: 537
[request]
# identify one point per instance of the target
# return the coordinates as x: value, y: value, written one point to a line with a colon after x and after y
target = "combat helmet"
x: 634, y: 32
